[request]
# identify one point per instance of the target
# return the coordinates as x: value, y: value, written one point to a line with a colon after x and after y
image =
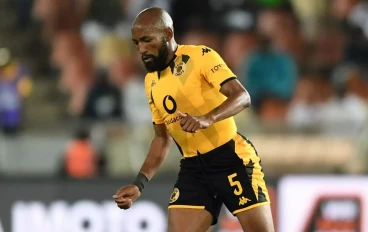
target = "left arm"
x: 237, y: 99
x: 215, y: 71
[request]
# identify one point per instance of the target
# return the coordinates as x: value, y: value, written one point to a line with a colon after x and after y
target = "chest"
x: 180, y: 87
x: 172, y: 92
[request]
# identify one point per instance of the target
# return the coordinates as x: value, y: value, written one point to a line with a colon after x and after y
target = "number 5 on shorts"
x: 238, y: 190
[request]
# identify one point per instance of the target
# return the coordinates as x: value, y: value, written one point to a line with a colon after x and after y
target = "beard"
x: 158, y: 62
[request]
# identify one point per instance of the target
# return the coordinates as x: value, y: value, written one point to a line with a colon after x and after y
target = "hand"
x: 193, y: 123
x: 126, y: 195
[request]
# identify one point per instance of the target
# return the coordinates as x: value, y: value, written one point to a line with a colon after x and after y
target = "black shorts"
x: 231, y: 175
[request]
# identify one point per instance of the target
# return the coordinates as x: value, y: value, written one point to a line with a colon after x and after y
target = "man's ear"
x: 169, y: 34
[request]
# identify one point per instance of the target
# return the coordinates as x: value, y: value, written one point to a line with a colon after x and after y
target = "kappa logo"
x: 180, y: 69
x: 205, y: 50
x: 175, y: 195
x: 153, y: 83
x: 243, y: 201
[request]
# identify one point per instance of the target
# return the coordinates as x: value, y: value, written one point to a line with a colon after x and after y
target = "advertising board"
x: 323, y: 204
x: 299, y: 204
x: 79, y: 206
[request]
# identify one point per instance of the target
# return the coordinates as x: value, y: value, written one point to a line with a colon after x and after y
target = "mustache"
x: 148, y: 56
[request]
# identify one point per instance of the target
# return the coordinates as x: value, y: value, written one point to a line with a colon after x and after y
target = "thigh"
x: 189, y: 220
x: 257, y: 219
x: 192, y: 193
x: 242, y: 187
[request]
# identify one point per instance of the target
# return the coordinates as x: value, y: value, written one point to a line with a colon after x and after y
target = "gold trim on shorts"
x: 185, y: 207
x: 251, y: 207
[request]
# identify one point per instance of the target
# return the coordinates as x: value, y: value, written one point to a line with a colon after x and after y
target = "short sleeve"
x: 214, y: 69
x: 156, y: 118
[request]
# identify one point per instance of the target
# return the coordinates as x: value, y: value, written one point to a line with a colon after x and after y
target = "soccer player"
x: 193, y: 97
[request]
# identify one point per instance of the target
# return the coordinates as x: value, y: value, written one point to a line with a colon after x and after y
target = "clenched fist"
x: 125, y: 196
x: 191, y: 124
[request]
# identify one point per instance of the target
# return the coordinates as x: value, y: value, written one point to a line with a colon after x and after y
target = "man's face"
x: 152, y: 46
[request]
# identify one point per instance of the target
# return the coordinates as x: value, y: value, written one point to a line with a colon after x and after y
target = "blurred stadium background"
x: 76, y: 124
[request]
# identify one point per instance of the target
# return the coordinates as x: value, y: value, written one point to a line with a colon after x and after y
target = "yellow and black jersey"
x: 191, y: 84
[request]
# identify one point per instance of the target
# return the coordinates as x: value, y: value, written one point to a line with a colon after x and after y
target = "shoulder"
x: 196, y: 51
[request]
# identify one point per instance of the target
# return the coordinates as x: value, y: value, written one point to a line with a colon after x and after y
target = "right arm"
x: 157, y: 153
x: 161, y: 141
x: 160, y: 146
